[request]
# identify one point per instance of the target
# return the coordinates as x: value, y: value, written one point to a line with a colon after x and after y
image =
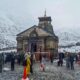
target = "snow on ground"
x: 74, y: 49
x: 8, y: 51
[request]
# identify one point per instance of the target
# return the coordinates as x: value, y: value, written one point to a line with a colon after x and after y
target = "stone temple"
x: 38, y: 38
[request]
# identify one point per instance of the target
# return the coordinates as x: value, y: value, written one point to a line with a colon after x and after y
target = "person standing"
x: 43, y: 63
x: 61, y: 56
x: 25, y: 70
x: 1, y: 62
x: 19, y: 60
x: 28, y: 62
x: 67, y: 60
x: 12, y: 63
x: 71, y: 61
x: 31, y: 66
x: 40, y: 57
x: 76, y: 58
x: 51, y: 58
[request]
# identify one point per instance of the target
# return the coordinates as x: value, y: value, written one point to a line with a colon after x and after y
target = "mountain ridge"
x: 9, y: 29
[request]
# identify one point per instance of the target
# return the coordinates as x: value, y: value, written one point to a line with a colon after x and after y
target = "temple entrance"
x: 33, y: 44
x: 33, y: 47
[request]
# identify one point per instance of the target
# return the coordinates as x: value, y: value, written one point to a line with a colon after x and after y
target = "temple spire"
x: 45, y: 13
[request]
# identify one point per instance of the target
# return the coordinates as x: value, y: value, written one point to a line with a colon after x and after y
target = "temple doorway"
x: 33, y: 47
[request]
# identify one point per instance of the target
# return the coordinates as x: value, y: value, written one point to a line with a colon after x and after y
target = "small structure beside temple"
x: 38, y: 38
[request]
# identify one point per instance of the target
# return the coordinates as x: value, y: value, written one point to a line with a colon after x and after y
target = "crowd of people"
x: 69, y: 58
x: 27, y: 61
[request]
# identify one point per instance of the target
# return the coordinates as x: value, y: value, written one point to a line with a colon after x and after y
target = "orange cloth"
x: 25, y: 73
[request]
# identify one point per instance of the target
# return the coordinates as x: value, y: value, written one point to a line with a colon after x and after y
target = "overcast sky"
x: 64, y: 13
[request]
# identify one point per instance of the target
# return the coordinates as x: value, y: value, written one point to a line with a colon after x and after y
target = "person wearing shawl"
x: 28, y: 64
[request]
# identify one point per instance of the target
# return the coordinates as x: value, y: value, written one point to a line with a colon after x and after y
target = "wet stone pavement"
x: 7, y: 74
x: 52, y: 72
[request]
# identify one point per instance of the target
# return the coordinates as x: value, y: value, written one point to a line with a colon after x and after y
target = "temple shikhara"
x: 38, y: 38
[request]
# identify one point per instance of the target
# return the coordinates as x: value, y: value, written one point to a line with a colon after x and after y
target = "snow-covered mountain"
x: 68, y: 36
x: 69, y: 39
x: 9, y: 29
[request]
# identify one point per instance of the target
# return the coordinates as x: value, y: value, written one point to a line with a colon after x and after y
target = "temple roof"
x: 39, y: 31
x: 44, y: 18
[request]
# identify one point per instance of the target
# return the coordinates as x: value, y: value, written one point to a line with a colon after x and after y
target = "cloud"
x: 64, y: 13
